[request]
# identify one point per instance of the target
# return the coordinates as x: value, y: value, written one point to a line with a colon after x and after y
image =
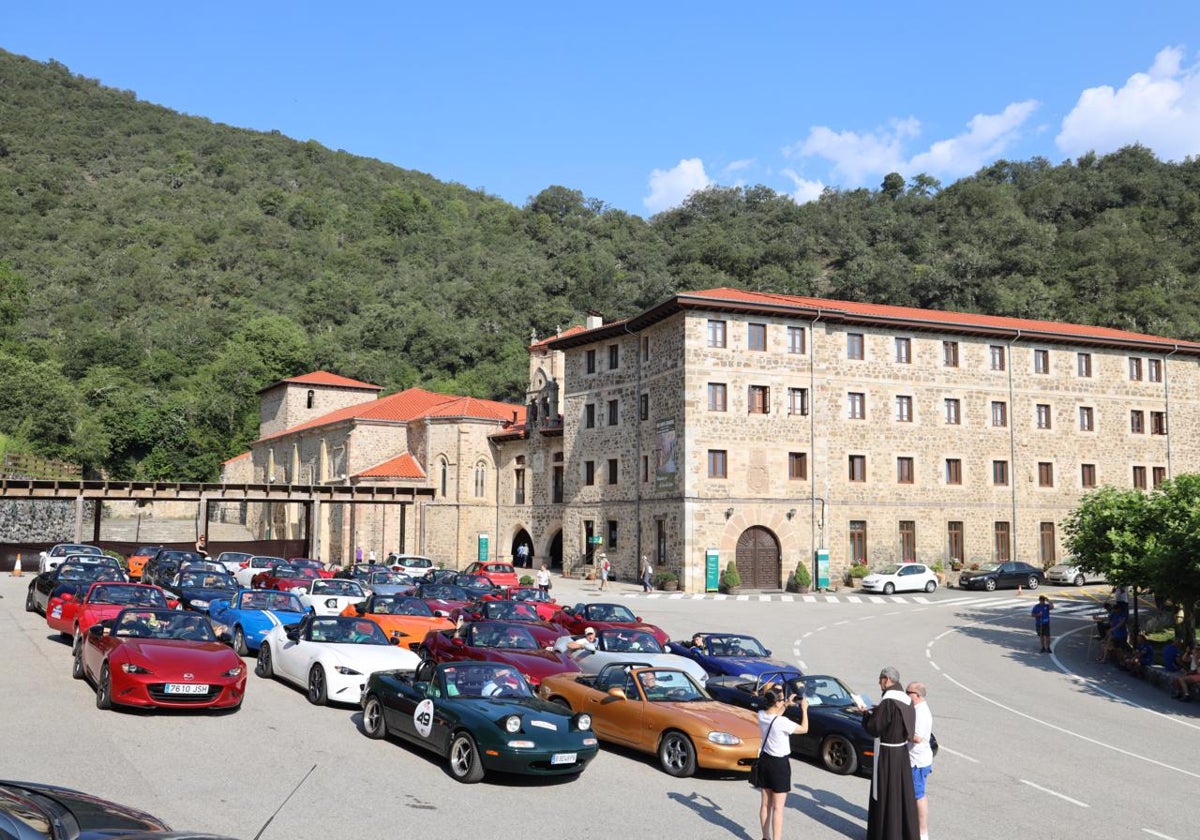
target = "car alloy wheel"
x: 30, y: 606
x: 990, y: 584
x: 930, y: 585
x: 676, y: 755
x: 239, y: 642
x: 104, y: 688
x: 1033, y: 582
x: 838, y: 756
x: 263, y: 666
x: 317, y: 689
x: 465, y: 764
x: 373, y: 722
x: 1079, y: 581
x: 889, y: 588
x: 77, y: 664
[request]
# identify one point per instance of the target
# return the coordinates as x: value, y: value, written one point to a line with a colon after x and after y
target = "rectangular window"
x: 1043, y: 416
x: 590, y: 361
x: 1045, y: 474
x: 997, y: 355
x: 858, y: 467
x: 644, y: 406
x: 908, y: 541
x: 716, y: 396
x: 589, y: 416
x: 1139, y: 478
x: 857, y: 406
x: 1154, y: 368
x: 645, y: 348
x: 904, y: 409
x: 999, y: 413
x: 955, y: 541
x: 1159, y: 475
x: 556, y: 488
x: 904, y: 470
x: 797, y: 401
x: 614, y: 356
x: 1000, y: 473
x: 589, y: 473
x: 1047, y: 543
x: 613, y: 470
x: 1137, y: 422
x: 1135, y: 369
x: 1083, y: 365
x: 645, y: 468
x: 519, y: 487
x: 756, y: 337
x: 1158, y: 422
x: 904, y: 351
x: 1003, y: 540
x: 854, y: 346
x: 1087, y: 475
x: 858, y: 542
x: 760, y: 399
x: 798, y: 466
x: 953, y: 412
x: 954, y: 471
x: 717, y: 467
x: 613, y: 412
x: 1041, y: 361
x: 950, y: 353
x: 612, y: 534
x: 716, y: 333
x: 795, y: 339
x: 1086, y: 419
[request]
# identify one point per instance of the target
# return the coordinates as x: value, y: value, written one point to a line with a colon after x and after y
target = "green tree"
x: 1172, y: 564
x: 1107, y: 533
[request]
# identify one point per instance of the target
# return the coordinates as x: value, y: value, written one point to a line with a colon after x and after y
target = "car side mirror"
x: 394, y: 640
x: 617, y: 693
x: 219, y: 604
x: 224, y: 638
x: 66, y: 596
x: 457, y: 642
x: 768, y: 651
x: 361, y: 609
x: 96, y: 630
x: 293, y: 635
x: 637, y: 618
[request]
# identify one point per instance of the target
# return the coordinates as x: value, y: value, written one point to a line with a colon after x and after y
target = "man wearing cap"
x: 892, y: 809
x: 588, y: 642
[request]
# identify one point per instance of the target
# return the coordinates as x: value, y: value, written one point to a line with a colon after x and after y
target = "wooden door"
x: 758, y: 559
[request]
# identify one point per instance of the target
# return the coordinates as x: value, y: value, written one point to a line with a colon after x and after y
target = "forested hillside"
x: 157, y: 269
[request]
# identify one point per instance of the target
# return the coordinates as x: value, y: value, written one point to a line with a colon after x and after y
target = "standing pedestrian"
x: 892, y: 808
x: 543, y: 578
x: 774, y: 761
x: 371, y: 556
x: 202, y: 546
x: 358, y: 554
x: 523, y: 555
x: 647, y: 575
x: 604, y: 567
x: 1041, y: 621
x: 920, y: 753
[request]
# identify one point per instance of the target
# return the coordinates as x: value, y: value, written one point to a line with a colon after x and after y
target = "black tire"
x: 676, y: 755
x: 1034, y: 583
x: 77, y: 664
x: 1079, y: 580
x: 930, y: 585
x: 318, y: 688
x: 838, y: 755
x: 104, y: 689
x: 373, y: 723
x: 561, y: 701
x: 30, y: 606
x: 239, y: 642
x: 990, y: 584
x: 263, y: 666
x: 465, y: 764
x: 889, y: 588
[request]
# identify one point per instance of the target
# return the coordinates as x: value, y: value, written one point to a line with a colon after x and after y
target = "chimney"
x: 594, y: 319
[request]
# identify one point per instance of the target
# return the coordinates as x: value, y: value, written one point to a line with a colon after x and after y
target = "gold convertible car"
x: 661, y: 711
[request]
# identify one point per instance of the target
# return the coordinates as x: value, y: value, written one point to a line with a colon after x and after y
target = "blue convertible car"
x: 730, y: 654
x: 251, y: 613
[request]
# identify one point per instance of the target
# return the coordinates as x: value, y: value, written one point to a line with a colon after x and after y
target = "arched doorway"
x: 525, y: 560
x: 555, y: 559
x: 759, y: 561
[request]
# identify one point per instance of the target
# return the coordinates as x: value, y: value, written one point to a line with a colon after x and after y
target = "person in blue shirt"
x: 1041, y: 621
x: 1171, y: 656
x: 1117, y: 640
x: 1142, y: 657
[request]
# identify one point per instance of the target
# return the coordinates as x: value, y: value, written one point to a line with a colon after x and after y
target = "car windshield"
x: 735, y: 646
x: 347, y: 631
x: 337, y: 587
x: 415, y: 562
x: 474, y: 582
x: 116, y: 593
x: 444, y: 592
x: 609, y: 612
x: 63, y: 550
x: 395, y: 605
x: 989, y: 567
x: 510, y: 611
x: 202, y: 580
x: 529, y: 595
x: 889, y: 569
x: 821, y: 691
x: 233, y: 557
x: 483, y: 680
x: 71, y: 572
x: 388, y: 579
x: 277, y: 601
x: 499, y: 636
x: 620, y: 641
x: 265, y: 562
x: 164, y: 624
x: 147, y: 550
x: 180, y: 557
x: 668, y: 686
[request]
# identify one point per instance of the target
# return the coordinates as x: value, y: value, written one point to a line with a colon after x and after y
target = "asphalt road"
x: 1032, y: 744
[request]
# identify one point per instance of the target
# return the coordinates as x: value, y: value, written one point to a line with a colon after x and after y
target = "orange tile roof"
x: 235, y: 458
x: 324, y: 377
x: 537, y: 345
x: 402, y: 466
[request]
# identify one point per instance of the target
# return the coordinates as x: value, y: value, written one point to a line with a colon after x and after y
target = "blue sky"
x: 637, y: 104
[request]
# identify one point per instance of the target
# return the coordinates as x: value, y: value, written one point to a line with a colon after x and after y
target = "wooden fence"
x: 21, y: 465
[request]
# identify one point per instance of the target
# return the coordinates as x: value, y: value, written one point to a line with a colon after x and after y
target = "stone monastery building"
x: 727, y: 425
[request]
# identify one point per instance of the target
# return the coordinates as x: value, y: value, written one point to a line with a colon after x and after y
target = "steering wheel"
x: 676, y: 694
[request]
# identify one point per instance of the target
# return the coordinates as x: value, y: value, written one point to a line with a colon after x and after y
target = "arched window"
x: 480, y: 480
x: 312, y: 398
x: 445, y: 477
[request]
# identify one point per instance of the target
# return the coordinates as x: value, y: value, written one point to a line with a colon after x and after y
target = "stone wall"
x: 26, y: 521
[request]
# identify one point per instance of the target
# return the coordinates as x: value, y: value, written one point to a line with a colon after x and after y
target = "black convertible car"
x: 74, y: 575
x: 835, y: 732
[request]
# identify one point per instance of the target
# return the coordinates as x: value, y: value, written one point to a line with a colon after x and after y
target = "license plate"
x: 563, y: 758
x: 186, y: 688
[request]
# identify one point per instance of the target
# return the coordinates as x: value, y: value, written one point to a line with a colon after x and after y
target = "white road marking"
x: 920, y: 600
x: 743, y: 597
x: 1055, y: 793
x: 810, y: 599
x: 720, y: 597
x: 942, y: 749
x: 896, y: 599
x: 854, y: 599
x: 1154, y: 833
x: 787, y: 599
x: 833, y: 599
x: 764, y: 597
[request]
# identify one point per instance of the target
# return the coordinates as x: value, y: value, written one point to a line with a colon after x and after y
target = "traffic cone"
x: 1018, y: 590
x: 16, y: 571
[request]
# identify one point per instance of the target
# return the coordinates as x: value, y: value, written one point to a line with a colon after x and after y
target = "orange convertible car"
x: 661, y: 711
x: 400, y: 615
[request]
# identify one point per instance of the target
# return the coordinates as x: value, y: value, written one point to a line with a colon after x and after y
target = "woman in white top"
x: 775, y: 760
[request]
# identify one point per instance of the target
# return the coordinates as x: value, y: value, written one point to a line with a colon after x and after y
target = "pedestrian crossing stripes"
x: 1062, y: 606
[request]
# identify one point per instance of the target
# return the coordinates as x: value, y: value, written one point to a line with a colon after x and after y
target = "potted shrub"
x: 801, y: 579
x: 731, y: 581
x: 857, y: 573
x: 940, y: 570
x: 667, y: 580
x: 526, y: 580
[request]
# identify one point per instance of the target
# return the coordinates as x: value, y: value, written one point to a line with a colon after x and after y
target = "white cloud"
x: 737, y: 166
x: 1159, y: 109
x: 857, y: 155
x: 805, y: 190
x: 986, y: 138
x: 670, y: 187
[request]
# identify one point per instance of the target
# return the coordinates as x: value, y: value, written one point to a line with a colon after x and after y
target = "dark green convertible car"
x: 481, y: 716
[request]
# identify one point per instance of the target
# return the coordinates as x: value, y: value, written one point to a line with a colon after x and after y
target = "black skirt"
x: 776, y: 773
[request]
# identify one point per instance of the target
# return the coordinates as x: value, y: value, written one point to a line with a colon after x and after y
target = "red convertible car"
x: 308, y: 563
x: 166, y: 658
x: 72, y: 616
x: 603, y: 616
x: 545, y: 633
x: 284, y: 578
x: 541, y: 601
x: 443, y: 598
x: 497, y: 641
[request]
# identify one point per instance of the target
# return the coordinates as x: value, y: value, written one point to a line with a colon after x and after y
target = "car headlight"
x: 131, y: 668
x: 350, y: 672
x: 235, y: 671
x: 201, y: 604
x: 724, y: 739
x: 512, y: 724
x: 583, y: 723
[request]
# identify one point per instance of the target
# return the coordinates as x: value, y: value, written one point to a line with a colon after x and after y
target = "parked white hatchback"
x: 1074, y: 575
x: 900, y: 577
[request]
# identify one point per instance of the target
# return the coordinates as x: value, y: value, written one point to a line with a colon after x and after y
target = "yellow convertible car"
x: 662, y: 711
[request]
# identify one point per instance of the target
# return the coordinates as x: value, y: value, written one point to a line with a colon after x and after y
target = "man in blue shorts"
x: 920, y: 753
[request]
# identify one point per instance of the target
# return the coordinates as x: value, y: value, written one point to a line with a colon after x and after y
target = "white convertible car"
x: 331, y: 656
x: 626, y: 646
x: 330, y: 596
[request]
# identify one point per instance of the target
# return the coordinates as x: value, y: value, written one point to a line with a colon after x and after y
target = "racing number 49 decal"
x: 423, y: 717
